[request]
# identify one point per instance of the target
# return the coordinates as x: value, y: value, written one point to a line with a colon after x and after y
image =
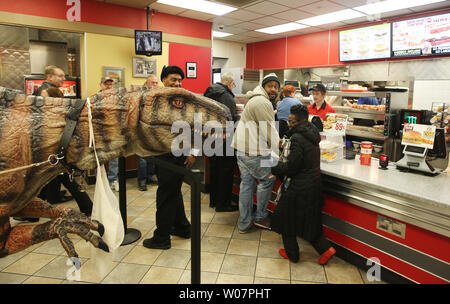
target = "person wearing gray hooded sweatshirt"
x: 256, y: 140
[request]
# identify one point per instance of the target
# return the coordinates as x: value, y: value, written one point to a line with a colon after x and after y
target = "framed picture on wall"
x: 116, y: 73
x: 143, y: 67
x: 191, y: 69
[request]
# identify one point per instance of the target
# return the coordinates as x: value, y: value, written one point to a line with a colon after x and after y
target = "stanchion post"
x: 131, y: 235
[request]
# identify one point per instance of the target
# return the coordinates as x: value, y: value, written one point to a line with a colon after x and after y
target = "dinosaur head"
x: 168, y: 114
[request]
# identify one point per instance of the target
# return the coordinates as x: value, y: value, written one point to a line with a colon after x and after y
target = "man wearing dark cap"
x: 320, y: 106
x: 255, y: 140
x: 170, y: 215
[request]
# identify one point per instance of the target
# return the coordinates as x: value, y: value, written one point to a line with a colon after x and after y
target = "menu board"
x: 373, y: 42
x: 69, y: 87
x: 422, y: 36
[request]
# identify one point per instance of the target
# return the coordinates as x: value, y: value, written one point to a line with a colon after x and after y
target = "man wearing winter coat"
x: 222, y: 167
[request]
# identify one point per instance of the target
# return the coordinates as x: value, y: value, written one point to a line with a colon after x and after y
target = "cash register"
x: 419, y: 141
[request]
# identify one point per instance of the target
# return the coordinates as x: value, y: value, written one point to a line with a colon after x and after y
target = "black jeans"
x: 169, y: 201
x: 221, y: 170
x: 51, y: 193
x: 321, y: 244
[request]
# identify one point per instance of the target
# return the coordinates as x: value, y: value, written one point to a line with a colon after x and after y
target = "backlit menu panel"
x: 373, y: 42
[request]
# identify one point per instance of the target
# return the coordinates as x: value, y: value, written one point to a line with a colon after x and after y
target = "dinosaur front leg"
x: 65, y: 220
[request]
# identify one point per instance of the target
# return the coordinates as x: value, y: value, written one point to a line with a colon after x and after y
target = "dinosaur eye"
x: 178, y: 103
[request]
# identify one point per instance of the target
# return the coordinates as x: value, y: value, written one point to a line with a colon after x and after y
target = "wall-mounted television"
x: 365, y: 43
x: 148, y: 42
x: 421, y: 36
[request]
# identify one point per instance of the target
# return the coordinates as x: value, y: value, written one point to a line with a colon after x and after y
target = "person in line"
x: 83, y: 201
x: 222, y: 167
x: 107, y: 83
x: 320, y: 106
x: 54, y: 78
x: 299, y: 211
x: 146, y: 168
x: 170, y: 215
x: 253, y: 152
x: 284, y: 108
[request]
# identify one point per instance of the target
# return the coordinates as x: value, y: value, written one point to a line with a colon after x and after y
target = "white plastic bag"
x: 106, y: 210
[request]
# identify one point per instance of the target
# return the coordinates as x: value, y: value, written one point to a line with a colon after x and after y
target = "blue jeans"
x: 252, y: 171
x: 146, y: 168
x: 113, y: 170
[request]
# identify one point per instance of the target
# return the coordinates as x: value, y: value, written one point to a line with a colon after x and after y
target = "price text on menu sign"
x: 335, y: 124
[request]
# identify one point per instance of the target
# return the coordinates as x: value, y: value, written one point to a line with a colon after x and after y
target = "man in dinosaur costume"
x: 124, y: 123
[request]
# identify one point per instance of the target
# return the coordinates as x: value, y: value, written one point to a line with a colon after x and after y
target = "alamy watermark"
x: 374, y: 272
x: 74, y: 12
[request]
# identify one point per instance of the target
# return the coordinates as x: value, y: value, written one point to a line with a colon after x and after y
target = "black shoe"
x: 183, y: 234
x: 142, y: 186
x: 150, y: 243
x: 230, y: 208
x: 27, y: 219
x: 264, y: 224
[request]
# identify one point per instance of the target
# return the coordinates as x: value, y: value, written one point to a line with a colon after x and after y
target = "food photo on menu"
x: 371, y: 42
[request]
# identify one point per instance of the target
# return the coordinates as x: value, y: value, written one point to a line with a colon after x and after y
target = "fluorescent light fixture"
x: 282, y: 28
x: 201, y: 6
x: 220, y: 34
x: 331, y: 17
x: 392, y: 5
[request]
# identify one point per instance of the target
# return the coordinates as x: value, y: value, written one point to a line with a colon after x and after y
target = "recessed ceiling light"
x: 331, y: 17
x: 220, y: 34
x: 282, y: 28
x: 391, y: 5
x: 201, y: 6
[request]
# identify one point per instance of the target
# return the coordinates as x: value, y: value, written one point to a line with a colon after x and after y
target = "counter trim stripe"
x: 405, y: 254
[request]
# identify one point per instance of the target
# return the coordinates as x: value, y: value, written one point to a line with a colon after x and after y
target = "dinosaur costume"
x: 125, y: 122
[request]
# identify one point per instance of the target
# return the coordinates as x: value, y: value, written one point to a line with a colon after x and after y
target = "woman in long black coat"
x: 298, y: 212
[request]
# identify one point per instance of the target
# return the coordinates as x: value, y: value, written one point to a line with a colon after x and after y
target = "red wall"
x: 113, y: 15
x: 179, y: 54
x: 310, y: 50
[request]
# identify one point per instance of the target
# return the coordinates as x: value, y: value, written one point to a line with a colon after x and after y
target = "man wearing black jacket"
x: 222, y: 167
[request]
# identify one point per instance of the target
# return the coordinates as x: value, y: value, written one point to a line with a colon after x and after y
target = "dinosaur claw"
x: 102, y: 245
x: 101, y: 229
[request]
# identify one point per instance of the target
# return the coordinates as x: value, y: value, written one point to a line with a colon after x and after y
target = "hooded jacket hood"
x: 216, y: 90
x: 308, y: 130
x: 258, y: 91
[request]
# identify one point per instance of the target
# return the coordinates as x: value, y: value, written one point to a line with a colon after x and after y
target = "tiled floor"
x: 227, y: 257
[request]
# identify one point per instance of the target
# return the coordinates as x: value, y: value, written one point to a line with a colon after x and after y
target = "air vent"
x: 236, y: 3
x: 251, y: 75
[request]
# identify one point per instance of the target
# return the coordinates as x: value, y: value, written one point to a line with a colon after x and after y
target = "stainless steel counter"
x: 414, y: 198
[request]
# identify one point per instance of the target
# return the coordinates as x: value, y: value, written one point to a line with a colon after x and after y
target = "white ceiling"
x: 264, y: 13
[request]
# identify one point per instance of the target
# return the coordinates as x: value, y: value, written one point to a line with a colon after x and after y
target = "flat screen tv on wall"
x: 148, y: 43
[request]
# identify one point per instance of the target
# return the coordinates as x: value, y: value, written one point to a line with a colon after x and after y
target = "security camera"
x: 221, y: 26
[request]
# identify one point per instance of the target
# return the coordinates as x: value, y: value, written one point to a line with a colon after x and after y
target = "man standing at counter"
x: 320, y: 106
x: 255, y: 139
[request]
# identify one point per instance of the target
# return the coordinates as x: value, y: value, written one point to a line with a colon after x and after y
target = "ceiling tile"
x: 359, y: 20
x: 394, y: 14
x: 293, y: 15
x: 293, y: 3
x: 196, y: 15
x: 309, y: 30
x: 321, y: 7
x: 168, y: 9
x: 433, y: 6
x: 243, y: 15
x: 254, y: 34
x: 267, y: 8
x: 331, y: 25
x: 234, y: 30
x: 350, y: 3
x: 224, y: 21
x: 250, y: 26
x: 269, y: 21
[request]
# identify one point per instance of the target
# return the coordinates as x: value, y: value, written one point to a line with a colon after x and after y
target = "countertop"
x: 433, y: 190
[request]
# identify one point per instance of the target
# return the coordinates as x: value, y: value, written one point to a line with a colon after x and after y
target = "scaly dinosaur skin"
x: 124, y: 123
